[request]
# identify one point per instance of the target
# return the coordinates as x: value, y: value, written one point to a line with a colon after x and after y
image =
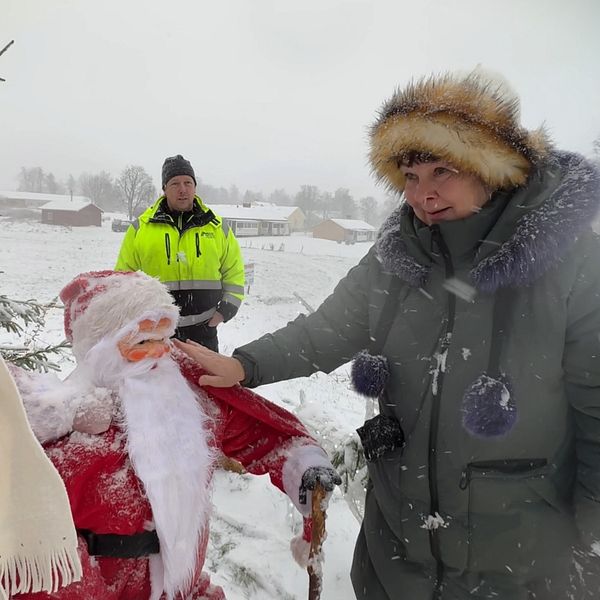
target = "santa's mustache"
x: 104, y: 365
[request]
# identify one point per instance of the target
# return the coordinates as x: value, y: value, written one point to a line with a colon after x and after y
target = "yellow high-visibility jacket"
x: 194, y: 254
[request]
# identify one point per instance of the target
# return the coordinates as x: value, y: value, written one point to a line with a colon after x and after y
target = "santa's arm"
x: 291, y: 458
x: 55, y: 408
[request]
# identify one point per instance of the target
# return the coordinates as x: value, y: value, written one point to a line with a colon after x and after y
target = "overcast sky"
x: 269, y: 93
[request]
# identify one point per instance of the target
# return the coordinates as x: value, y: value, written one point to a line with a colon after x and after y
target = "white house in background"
x: 247, y: 220
x: 35, y: 200
x: 348, y: 231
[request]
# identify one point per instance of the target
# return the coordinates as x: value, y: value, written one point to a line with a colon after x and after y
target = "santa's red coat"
x: 107, y: 497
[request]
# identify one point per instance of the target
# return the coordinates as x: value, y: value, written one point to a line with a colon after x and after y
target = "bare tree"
x: 344, y: 203
x: 137, y: 188
x: 32, y: 180
x: 100, y: 189
x: 368, y: 209
x: 281, y: 198
x: 307, y: 198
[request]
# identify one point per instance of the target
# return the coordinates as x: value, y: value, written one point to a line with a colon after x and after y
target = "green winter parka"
x: 493, y: 375
x: 194, y: 254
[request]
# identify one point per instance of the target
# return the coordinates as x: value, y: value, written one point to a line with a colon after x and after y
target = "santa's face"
x: 150, y: 341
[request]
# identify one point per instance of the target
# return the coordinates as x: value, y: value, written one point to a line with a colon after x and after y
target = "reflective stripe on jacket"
x: 199, y: 260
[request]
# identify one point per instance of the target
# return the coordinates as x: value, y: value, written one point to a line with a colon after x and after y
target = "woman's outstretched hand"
x: 225, y: 371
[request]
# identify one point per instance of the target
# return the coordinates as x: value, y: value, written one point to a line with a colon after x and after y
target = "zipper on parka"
x: 434, y: 502
x: 168, y: 248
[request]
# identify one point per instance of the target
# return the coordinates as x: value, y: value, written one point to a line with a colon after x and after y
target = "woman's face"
x: 437, y: 191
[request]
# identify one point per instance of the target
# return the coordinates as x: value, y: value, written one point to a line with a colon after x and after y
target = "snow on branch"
x: 26, y: 318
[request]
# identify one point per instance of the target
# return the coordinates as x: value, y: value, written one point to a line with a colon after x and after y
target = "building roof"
x: 254, y: 213
x: 353, y: 225
x: 42, y: 198
x: 68, y: 205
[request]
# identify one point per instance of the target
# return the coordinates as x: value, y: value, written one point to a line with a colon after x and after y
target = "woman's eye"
x: 441, y: 171
x: 411, y: 176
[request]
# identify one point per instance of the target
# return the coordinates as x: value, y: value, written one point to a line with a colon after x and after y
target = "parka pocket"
x: 517, y: 522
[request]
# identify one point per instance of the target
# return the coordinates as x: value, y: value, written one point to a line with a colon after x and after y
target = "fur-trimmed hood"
x: 470, y: 121
x: 539, y: 225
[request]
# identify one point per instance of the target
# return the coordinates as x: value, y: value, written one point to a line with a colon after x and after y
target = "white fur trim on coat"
x: 300, y: 550
x: 300, y: 458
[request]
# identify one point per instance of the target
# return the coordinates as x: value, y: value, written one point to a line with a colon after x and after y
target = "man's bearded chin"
x: 167, y: 445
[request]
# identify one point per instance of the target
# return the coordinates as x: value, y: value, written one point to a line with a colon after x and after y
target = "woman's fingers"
x: 192, y: 349
x: 214, y: 381
x: 224, y: 371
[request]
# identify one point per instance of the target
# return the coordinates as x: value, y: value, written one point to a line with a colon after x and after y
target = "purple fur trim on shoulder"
x: 393, y: 254
x: 488, y: 407
x: 543, y: 236
x: 369, y: 374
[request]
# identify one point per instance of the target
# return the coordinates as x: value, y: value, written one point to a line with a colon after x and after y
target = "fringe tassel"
x: 21, y: 574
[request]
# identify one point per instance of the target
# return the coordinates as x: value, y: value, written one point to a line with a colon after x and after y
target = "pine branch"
x: 27, y: 311
x: 36, y: 359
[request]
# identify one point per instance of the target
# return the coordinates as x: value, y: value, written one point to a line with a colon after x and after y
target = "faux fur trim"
x: 471, y: 121
x: 544, y: 235
x: 393, y: 253
x: 489, y: 408
x: 299, y: 457
x: 541, y: 237
x: 369, y: 374
x: 300, y: 550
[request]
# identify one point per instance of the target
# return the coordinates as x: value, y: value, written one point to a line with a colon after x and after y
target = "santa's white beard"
x: 168, y: 449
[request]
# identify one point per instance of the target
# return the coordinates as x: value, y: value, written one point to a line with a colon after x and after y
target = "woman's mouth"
x: 438, y: 214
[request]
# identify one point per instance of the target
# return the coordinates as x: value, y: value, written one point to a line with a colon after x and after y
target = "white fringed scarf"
x: 38, y: 543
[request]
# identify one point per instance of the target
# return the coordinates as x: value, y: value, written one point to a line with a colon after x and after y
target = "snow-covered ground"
x: 252, y: 522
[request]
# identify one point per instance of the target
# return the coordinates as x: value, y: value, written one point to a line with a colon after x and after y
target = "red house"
x: 79, y: 212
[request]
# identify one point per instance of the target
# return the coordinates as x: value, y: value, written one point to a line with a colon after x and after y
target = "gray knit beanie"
x: 176, y: 165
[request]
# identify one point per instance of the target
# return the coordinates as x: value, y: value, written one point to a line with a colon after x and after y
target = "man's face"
x: 151, y: 341
x: 180, y: 191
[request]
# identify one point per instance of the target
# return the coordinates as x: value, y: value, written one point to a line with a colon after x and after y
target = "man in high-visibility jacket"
x: 185, y: 245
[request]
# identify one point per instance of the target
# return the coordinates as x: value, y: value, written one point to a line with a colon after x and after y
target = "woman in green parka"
x: 475, y: 319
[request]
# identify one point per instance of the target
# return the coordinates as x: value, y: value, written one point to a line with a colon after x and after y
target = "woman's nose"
x: 426, y: 193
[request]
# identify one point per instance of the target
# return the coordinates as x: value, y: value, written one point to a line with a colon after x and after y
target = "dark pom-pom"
x: 369, y: 374
x: 488, y: 407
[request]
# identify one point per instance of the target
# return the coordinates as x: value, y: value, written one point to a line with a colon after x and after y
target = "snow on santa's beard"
x: 168, y: 449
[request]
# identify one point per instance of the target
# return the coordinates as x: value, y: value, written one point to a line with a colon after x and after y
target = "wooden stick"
x: 315, y: 559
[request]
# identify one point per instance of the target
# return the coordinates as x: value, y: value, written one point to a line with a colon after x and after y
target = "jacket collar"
x: 539, y: 225
x: 199, y: 216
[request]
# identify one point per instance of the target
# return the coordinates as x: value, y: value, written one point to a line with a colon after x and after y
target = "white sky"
x: 269, y: 93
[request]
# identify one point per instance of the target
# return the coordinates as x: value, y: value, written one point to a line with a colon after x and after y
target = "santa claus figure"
x: 136, y: 442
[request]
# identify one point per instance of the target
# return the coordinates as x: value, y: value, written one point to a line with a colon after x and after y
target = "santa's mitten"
x: 300, y: 544
x: 328, y: 477
x: 94, y: 411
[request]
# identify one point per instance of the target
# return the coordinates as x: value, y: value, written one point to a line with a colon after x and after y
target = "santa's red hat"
x: 100, y: 303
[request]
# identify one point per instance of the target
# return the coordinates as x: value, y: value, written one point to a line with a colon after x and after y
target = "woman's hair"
x: 416, y: 157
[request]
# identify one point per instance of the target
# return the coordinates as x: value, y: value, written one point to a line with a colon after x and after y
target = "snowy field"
x: 252, y: 522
